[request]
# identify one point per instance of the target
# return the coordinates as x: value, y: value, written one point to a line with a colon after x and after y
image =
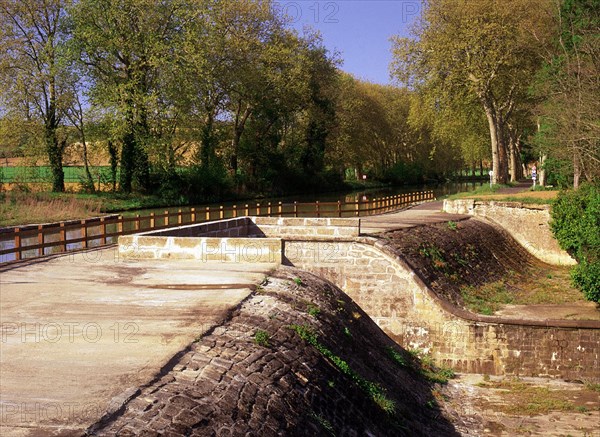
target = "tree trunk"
x: 55, y: 158
x: 114, y: 162
x: 576, y: 170
x: 499, y: 166
x: 53, y: 149
x: 240, y: 123
x: 542, y: 170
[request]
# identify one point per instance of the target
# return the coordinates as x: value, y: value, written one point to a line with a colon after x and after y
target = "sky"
x: 359, y: 29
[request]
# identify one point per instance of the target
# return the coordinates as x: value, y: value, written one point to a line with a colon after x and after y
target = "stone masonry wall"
x: 303, y: 228
x: 205, y: 249
x: 380, y: 283
x: 528, y: 224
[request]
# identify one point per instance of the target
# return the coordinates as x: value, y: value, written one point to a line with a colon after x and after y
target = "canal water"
x: 440, y: 191
x: 305, y: 208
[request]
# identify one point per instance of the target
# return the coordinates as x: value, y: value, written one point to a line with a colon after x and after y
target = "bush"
x: 576, y: 226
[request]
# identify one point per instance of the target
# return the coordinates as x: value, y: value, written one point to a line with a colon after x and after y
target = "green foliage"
x: 576, y: 226
x: 452, y: 225
x: 313, y: 310
x: 375, y: 391
x: 262, y: 338
x: 486, y: 299
x: 397, y: 357
x: 432, y: 372
x: 298, y: 281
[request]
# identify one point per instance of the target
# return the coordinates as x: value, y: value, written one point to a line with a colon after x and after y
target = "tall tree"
x: 125, y: 45
x: 33, y: 70
x: 473, y: 50
x: 569, y: 86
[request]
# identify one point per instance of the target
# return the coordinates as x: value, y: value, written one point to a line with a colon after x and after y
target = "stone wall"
x: 303, y: 228
x: 382, y: 285
x: 261, y: 227
x: 205, y: 249
x: 528, y: 224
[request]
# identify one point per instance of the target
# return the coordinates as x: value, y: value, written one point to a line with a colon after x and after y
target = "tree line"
x: 524, y: 73
x: 192, y: 98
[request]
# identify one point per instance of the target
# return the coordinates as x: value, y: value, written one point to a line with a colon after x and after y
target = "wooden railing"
x: 38, y: 240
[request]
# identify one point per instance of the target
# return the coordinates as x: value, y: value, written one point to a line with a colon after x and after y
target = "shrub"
x: 576, y: 226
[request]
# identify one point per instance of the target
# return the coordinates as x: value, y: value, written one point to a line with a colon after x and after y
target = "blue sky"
x: 358, y: 29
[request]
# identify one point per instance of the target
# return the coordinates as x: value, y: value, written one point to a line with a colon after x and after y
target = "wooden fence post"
x: 179, y: 217
x: 317, y: 209
x: 269, y: 210
x: 295, y: 209
x: 41, y: 240
x: 247, y: 210
x: 102, y: 231
x: 357, y: 208
x: 152, y: 221
x: 193, y: 215
x: 235, y: 212
x: 63, y: 237
x: 137, y: 222
x: 207, y: 217
x: 279, y: 209
x: 84, y: 233
x: 339, y: 208
x: 18, y: 252
x: 221, y: 212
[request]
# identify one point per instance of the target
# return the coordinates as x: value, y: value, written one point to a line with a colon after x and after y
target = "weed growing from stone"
x: 374, y: 390
x: 261, y: 338
x: 396, y: 357
x: 323, y: 422
x: 428, y: 369
x: 452, y: 226
x: 313, y: 310
x: 298, y: 281
x: 347, y: 332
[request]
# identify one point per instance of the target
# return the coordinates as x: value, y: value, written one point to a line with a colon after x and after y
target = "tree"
x: 33, y: 70
x: 125, y: 46
x: 569, y: 86
x: 467, y: 51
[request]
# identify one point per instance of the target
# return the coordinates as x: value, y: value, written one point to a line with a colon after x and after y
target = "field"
x: 42, y: 174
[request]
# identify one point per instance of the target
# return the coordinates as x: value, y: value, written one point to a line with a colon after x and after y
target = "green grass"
x: 262, y: 338
x: 43, y: 174
x: 372, y: 389
x: 431, y: 371
x: 487, y: 299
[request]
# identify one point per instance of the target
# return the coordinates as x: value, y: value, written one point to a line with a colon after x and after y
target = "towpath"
x: 425, y: 213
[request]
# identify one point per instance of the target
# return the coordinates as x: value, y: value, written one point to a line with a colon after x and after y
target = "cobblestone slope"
x: 297, y: 357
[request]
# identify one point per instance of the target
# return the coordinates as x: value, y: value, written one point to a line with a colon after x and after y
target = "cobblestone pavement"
x: 255, y: 376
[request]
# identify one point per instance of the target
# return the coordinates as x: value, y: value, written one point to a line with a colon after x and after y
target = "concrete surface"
x: 80, y: 333
x: 423, y: 214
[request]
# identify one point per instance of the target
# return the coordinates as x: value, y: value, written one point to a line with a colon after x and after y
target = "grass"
x: 541, y: 285
x: 521, y: 398
x: 20, y: 208
x: 425, y: 366
x: 539, y: 196
x: 372, y: 389
x: 262, y: 338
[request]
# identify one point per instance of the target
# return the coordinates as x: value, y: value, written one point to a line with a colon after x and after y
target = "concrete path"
x: 80, y: 333
x: 425, y: 213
